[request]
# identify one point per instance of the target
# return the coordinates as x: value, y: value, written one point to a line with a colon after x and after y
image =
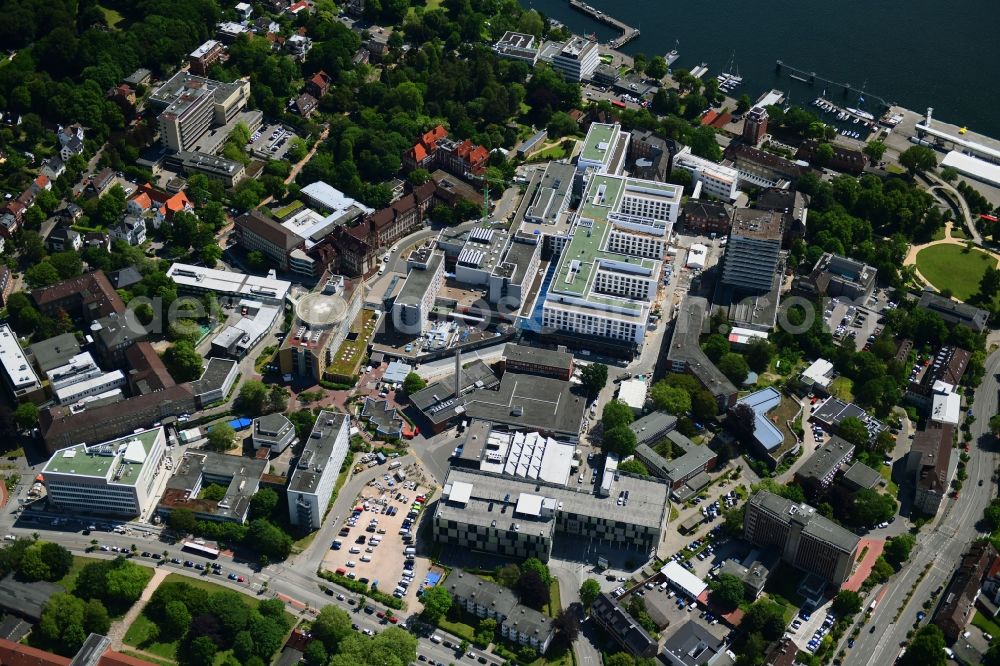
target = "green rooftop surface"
x: 587, y: 248
x: 86, y: 461
x: 598, y: 133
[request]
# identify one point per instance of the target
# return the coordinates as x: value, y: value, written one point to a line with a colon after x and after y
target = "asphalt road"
x: 941, y: 544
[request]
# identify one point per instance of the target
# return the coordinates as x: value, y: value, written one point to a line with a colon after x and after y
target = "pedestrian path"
x: 118, y: 629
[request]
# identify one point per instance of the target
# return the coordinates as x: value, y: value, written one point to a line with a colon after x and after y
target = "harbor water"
x: 917, y: 53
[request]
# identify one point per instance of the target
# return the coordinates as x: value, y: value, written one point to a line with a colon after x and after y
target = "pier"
x: 628, y: 32
x: 810, y: 78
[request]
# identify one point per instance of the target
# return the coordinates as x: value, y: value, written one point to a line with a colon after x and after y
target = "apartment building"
x: 707, y: 217
x: 115, y: 477
x: 927, y: 464
x: 604, y: 289
x: 717, y: 180
x: 686, y: 355
x: 954, y: 312
x: 415, y: 301
x: 189, y: 105
x: 484, y: 599
x: 197, y: 469
x: 577, y: 59
x: 205, y: 56
x: 958, y: 601
x: 805, y: 539
x: 312, y: 481
x: 520, y: 517
x: 818, y: 471
x: 604, y: 149
x: 623, y: 627
x: 85, y: 298
x: 19, y: 377
x: 753, y: 251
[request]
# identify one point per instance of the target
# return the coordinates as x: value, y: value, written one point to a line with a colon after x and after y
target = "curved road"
x: 939, y: 544
x: 966, y: 212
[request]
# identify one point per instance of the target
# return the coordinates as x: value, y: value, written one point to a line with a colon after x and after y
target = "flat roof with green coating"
x: 105, y: 460
x: 597, y: 146
x: 580, y: 259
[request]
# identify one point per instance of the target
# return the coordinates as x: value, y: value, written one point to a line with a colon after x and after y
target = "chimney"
x: 458, y: 374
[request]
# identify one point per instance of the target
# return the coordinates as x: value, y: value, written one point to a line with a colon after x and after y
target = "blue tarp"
x: 240, y: 424
x: 433, y: 577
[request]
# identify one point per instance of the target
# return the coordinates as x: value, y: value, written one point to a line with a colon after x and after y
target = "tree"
x: 875, y: 150
x: 671, y: 399
x: 182, y: 521
x: 183, y: 362
x: 508, y: 574
x: 872, y: 507
x: 26, y: 415
x: 727, y: 591
x: 949, y: 174
x: 221, y: 437
x: 253, y: 395
x: 616, y: 414
x: 854, y: 431
x: 111, y: 206
x: 765, y: 617
x: 199, y: 652
x: 590, y: 589
x: 824, y: 154
x: 331, y: 626
x: 57, y: 559
x: 620, y: 441
x: 846, y: 603
x: 269, y: 539
x: 262, y: 504
x: 437, y: 602
x: 567, y: 625
x: 633, y: 466
x: 256, y: 261
x: 715, y: 347
x: 41, y: 275
x: 918, y: 159
x: 926, y: 648
x: 759, y: 354
x: 532, y: 590
x: 594, y: 378
x: 61, y: 623
x: 486, y: 631
x: 124, y: 582
x: 315, y: 653
x: 32, y: 567
x: 897, y: 549
x: 989, y: 285
x: 413, y: 383
x: 67, y: 264
x: 211, y: 254
x: 176, y: 619
x: 743, y: 104
x: 95, y: 617
x: 656, y: 68
x: 735, y: 367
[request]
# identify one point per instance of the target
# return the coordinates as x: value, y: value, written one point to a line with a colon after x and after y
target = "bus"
x: 620, y: 104
x: 200, y: 549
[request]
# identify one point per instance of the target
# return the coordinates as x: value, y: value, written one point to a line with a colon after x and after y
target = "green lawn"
x: 111, y: 16
x: 460, y: 629
x: 142, y: 635
x: 842, y: 388
x: 890, y: 485
x: 555, y: 152
x: 555, y: 603
x: 952, y: 267
x: 79, y: 563
x: 986, y: 624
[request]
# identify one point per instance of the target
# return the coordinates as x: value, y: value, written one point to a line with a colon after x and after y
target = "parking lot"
x: 270, y: 141
x: 373, y: 541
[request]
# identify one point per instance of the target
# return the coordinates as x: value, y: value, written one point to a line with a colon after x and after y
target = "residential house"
x: 53, y: 167
x: 131, y: 229
x: 6, y: 283
x: 69, y: 133
x: 958, y: 601
x: 298, y: 46
x: 101, y: 181
x: 485, y: 599
x: 462, y: 158
x: 124, y: 97
x: 305, y: 104
x: 63, y: 239
x: 622, y: 627
x: 319, y: 84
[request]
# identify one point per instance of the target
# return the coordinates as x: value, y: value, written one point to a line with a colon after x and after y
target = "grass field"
x: 951, y: 267
x: 79, y: 563
x: 111, y: 16
x: 986, y: 624
x: 842, y: 388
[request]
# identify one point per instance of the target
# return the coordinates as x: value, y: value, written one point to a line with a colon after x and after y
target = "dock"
x: 810, y: 78
x: 699, y: 71
x: 628, y: 32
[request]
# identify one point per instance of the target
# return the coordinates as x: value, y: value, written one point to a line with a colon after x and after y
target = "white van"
x: 435, y: 638
x: 395, y: 465
x: 410, y: 551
